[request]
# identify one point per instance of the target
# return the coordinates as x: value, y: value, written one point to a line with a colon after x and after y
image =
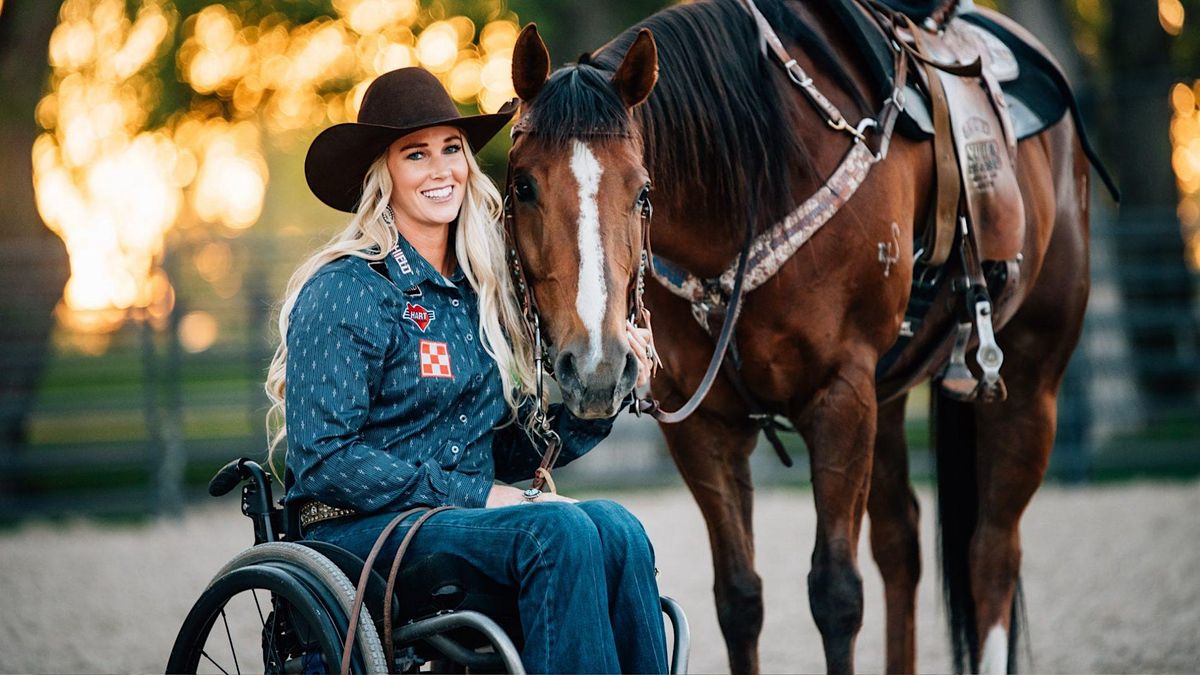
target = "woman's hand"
x: 507, y: 495
x: 641, y: 341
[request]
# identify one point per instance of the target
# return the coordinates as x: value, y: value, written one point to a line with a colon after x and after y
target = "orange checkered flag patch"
x: 435, y: 359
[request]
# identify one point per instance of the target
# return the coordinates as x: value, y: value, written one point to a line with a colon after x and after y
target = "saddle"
x: 961, y: 102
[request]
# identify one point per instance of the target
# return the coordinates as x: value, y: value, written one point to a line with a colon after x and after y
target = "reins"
x: 760, y: 257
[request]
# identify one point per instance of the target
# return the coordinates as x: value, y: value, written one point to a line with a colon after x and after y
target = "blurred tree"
x: 571, y: 28
x: 130, y: 116
x: 1140, y: 60
x: 33, y: 262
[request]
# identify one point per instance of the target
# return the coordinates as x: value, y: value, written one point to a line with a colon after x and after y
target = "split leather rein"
x: 759, y: 258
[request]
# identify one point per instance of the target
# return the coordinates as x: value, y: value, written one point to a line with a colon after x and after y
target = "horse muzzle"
x: 592, y: 387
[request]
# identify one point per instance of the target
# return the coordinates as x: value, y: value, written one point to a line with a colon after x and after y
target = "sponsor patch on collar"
x: 402, y: 260
x: 418, y: 315
x: 435, y: 359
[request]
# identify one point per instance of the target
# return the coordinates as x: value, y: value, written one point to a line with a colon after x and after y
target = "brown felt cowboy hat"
x: 396, y: 104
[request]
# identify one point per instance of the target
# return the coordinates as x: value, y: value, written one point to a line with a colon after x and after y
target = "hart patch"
x: 435, y: 359
x: 418, y: 315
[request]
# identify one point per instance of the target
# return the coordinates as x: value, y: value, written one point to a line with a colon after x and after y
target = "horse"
x: 686, y: 109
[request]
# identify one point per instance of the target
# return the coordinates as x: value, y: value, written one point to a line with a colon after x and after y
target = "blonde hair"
x: 479, y: 247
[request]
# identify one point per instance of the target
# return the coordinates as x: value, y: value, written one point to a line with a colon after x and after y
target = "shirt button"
x: 462, y: 418
x: 454, y: 302
x: 470, y: 338
x: 454, y: 449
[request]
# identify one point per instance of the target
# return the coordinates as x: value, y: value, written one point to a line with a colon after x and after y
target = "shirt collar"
x: 408, y: 268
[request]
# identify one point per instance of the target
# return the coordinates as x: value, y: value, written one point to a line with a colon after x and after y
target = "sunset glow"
x: 114, y: 185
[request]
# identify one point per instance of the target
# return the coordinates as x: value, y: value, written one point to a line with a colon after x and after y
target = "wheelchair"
x: 283, y: 606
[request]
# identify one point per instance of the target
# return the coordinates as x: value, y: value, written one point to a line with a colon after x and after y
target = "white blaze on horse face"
x: 592, y: 298
x: 995, y: 651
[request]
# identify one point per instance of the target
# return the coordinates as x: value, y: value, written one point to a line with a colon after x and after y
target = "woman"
x: 403, y: 358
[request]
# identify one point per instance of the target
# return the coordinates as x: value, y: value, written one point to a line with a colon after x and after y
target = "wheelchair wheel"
x: 276, y: 607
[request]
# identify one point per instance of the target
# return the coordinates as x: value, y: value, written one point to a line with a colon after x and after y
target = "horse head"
x: 578, y: 200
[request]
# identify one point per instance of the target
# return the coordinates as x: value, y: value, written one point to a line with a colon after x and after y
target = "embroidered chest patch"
x: 418, y: 315
x: 435, y: 359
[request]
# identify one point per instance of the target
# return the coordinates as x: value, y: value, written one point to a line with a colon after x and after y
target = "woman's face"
x: 429, y: 174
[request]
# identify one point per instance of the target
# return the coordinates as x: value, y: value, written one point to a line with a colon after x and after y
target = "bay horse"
x: 685, y: 107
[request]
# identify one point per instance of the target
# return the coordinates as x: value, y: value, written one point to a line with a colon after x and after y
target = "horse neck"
x: 705, y: 237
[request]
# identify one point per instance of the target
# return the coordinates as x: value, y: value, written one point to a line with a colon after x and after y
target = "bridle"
x: 532, y: 323
x: 707, y: 295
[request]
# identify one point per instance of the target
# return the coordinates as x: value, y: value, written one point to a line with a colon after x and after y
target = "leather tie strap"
x: 361, y: 592
x: 940, y: 236
x: 388, y: 647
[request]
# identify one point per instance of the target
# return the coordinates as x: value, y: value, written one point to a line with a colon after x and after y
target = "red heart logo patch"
x: 418, y: 315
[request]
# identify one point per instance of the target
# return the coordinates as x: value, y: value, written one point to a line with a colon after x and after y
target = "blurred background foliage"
x: 154, y: 205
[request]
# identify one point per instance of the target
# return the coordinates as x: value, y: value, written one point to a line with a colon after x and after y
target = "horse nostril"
x: 630, y: 372
x: 565, y: 371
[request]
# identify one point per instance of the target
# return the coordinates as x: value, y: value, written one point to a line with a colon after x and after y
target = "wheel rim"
x: 256, y: 620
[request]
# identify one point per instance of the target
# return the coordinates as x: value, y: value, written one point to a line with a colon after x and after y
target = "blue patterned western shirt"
x: 392, y: 401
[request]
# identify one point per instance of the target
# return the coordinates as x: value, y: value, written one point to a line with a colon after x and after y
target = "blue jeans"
x: 584, y: 575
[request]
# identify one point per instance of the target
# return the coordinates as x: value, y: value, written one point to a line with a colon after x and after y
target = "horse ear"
x: 638, y: 72
x: 530, y: 63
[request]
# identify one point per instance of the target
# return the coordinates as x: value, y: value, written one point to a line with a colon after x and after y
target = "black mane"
x: 717, y: 123
x: 577, y: 102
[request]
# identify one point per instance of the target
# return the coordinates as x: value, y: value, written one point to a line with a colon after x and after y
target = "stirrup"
x: 957, y: 381
x: 988, y: 355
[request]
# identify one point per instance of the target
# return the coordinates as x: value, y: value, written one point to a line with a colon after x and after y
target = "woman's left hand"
x: 641, y: 341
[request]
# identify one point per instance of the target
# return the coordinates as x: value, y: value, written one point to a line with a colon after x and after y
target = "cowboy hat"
x: 396, y: 104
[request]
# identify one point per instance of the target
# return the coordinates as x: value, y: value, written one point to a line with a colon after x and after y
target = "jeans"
x: 584, y: 575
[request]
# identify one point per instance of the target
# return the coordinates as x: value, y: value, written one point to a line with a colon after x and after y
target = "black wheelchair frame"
x: 310, y: 596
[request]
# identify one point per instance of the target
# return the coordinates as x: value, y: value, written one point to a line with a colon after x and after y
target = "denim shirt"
x: 391, y: 400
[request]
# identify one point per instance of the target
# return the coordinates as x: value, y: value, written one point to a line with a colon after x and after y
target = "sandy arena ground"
x: 1112, y: 582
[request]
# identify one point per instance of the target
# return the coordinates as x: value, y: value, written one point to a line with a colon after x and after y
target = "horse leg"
x: 895, y: 516
x: 839, y: 429
x: 981, y: 500
x: 713, y: 456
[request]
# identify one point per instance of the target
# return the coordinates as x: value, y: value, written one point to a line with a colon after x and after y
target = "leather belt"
x: 315, y: 512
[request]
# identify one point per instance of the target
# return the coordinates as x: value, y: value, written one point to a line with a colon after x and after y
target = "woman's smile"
x: 439, y: 194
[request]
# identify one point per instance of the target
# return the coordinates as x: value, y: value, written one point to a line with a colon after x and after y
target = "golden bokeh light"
x: 1185, y: 162
x: 197, y: 331
x: 114, y: 187
x: 437, y: 47
x: 1171, y: 16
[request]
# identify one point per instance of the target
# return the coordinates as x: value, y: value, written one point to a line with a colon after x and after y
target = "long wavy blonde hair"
x: 479, y: 247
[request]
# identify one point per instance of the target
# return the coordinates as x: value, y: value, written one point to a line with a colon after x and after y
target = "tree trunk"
x: 33, y: 261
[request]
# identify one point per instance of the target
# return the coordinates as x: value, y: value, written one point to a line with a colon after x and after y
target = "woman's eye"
x: 416, y: 156
x: 523, y: 189
x: 453, y: 149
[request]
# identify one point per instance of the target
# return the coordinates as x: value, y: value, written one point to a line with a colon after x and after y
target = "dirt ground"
x: 1112, y: 583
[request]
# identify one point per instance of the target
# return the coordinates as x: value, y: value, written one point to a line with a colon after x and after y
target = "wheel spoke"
x: 229, y: 636
x: 260, y: 614
x: 210, y: 660
x: 274, y: 631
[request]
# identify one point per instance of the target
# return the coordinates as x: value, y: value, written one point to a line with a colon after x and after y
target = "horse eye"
x: 643, y: 196
x: 523, y: 189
